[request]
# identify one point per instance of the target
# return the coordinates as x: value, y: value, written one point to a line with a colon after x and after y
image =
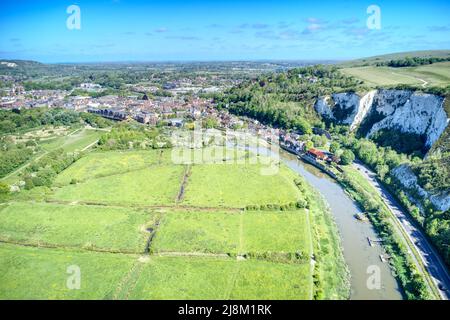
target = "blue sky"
x: 154, y: 30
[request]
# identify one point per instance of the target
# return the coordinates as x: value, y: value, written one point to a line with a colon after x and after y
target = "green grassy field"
x: 210, y: 155
x: 261, y: 232
x: 37, y: 273
x: 395, y: 56
x: 204, y: 246
x: 238, y: 186
x: 88, y: 227
x: 208, y: 232
x: 158, y: 185
x: 76, y: 141
x: 208, y: 278
x: 233, y: 233
x: 101, y: 164
x: 437, y: 74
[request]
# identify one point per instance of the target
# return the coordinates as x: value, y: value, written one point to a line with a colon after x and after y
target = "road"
x: 430, y: 258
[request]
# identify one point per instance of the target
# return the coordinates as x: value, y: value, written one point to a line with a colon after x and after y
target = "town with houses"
x: 174, y: 111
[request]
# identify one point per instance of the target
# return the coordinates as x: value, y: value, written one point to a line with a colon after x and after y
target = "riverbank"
x: 351, y: 233
x: 405, y: 267
x: 331, y: 275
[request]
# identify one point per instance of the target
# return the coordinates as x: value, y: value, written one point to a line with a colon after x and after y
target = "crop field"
x: 140, y: 226
x: 437, y: 74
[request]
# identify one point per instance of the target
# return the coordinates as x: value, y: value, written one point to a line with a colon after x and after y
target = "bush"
x: 347, y: 157
x: 4, y: 188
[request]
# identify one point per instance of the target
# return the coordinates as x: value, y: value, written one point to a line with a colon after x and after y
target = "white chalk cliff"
x: 408, y: 179
x: 403, y: 110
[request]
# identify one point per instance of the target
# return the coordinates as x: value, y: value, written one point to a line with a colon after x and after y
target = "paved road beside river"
x: 430, y: 258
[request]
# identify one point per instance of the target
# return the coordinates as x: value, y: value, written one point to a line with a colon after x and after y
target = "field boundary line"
x: 191, y: 254
x: 152, y: 230
x: 45, y: 245
x: 136, y: 277
x: 90, y: 145
x: 241, y: 234
x: 146, y: 166
x: 187, y: 173
x: 137, y: 206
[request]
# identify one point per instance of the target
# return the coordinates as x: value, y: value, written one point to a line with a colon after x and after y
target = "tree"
x: 319, y: 141
x: 210, y: 123
x: 7, y: 126
x: 334, y: 147
x: 382, y: 170
x: 303, y: 126
x: 4, y: 189
x: 309, y: 145
x: 347, y: 157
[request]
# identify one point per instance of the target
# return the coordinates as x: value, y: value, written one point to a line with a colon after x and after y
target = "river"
x: 359, y: 255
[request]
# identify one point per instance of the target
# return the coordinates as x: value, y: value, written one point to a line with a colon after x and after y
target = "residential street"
x: 430, y: 258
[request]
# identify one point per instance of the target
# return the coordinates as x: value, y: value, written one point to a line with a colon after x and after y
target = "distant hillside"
x: 379, y: 71
x: 370, y: 61
x: 22, y: 68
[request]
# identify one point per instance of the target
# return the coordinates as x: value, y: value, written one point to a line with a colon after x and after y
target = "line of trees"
x: 412, y: 62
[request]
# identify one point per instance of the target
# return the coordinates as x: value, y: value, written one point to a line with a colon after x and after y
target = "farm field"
x: 151, y: 186
x: 437, y: 74
x: 242, y: 233
x: 39, y: 273
x: 89, y: 227
x: 208, y: 278
x: 210, y: 155
x: 168, y: 231
x: 223, y: 186
x: 96, y: 164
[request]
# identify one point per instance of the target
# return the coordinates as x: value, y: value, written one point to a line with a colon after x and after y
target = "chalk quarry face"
x: 403, y: 110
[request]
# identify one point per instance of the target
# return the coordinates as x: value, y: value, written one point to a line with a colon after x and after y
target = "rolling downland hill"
x: 395, y: 56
